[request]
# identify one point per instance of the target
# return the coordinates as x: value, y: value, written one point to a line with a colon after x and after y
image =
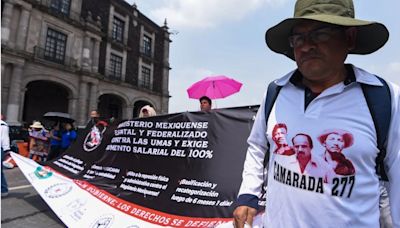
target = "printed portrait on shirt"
x: 94, y: 137
x: 279, y: 134
x: 335, y: 141
x: 309, y: 164
x: 314, y: 160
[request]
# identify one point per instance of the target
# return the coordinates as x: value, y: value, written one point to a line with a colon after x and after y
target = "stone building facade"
x: 75, y: 56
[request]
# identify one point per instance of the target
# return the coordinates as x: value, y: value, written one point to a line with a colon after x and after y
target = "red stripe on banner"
x: 147, y: 214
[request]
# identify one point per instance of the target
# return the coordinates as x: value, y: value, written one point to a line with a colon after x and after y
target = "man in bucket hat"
x: 322, y: 93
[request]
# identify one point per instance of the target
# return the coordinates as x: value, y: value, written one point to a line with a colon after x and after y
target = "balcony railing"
x: 113, y: 75
x: 47, y: 4
x: 144, y: 84
x: 146, y: 51
x: 41, y: 53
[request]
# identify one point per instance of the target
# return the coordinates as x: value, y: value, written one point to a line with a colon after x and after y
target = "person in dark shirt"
x: 205, y: 103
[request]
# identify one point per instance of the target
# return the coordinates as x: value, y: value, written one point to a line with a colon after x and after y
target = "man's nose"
x: 307, y: 44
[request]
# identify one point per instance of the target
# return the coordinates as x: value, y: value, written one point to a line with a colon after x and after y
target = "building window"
x: 115, y: 70
x: 60, y: 6
x: 118, y: 29
x: 146, y: 49
x: 146, y: 78
x: 55, y: 46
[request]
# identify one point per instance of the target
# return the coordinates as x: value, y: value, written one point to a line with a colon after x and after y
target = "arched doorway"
x: 110, y: 106
x: 42, y: 97
x: 137, y: 106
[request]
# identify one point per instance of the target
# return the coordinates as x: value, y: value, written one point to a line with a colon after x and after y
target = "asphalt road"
x: 23, y: 207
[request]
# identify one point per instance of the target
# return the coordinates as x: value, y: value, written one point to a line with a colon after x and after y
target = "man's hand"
x: 242, y: 215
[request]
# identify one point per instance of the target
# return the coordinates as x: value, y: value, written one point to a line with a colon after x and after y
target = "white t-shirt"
x: 296, y: 199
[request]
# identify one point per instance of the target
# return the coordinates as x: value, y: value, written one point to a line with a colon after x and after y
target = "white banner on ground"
x: 73, y: 205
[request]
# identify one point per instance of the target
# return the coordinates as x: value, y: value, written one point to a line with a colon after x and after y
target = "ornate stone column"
x: 14, y: 96
x: 95, y: 60
x: 73, y: 106
x: 4, y: 89
x: 86, y: 53
x: 82, y: 103
x: 128, y: 112
x: 5, y: 22
x: 22, y: 29
x: 93, y: 97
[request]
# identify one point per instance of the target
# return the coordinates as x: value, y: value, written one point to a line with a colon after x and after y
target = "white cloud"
x: 206, y: 13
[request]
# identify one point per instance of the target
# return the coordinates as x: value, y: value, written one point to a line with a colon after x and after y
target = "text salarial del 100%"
x: 193, y: 153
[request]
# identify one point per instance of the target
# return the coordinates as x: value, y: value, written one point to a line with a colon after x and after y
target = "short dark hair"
x: 310, y: 143
x: 277, y: 126
x: 205, y: 98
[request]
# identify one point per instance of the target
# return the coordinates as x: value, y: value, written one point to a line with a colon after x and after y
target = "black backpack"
x: 379, y: 103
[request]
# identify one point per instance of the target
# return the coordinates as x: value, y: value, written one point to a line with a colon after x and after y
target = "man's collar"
x: 354, y: 75
x: 297, y: 77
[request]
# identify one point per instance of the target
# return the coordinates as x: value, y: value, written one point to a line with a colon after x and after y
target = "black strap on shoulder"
x: 272, y: 94
x: 379, y: 103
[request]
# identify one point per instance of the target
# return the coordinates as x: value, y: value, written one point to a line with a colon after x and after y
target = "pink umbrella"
x: 214, y: 87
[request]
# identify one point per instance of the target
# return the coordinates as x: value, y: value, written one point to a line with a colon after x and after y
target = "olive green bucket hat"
x: 370, y: 35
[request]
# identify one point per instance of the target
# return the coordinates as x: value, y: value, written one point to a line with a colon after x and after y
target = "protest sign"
x: 181, y: 170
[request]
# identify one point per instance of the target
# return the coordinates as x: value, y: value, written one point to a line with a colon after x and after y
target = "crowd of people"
x: 46, y: 144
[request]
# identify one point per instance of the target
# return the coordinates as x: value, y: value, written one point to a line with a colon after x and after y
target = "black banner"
x: 186, y: 164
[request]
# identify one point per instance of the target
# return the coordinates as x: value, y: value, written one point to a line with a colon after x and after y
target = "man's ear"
x: 351, y: 35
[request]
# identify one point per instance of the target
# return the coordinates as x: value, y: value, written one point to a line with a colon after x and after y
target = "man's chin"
x: 310, y: 66
x: 301, y: 154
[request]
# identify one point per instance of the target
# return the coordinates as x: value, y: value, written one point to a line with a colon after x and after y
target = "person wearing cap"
x: 322, y: 93
x: 205, y: 103
x: 334, y: 142
x: 147, y: 111
x: 38, y: 142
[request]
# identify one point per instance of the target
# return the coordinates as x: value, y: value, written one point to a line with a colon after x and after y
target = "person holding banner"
x: 38, y: 142
x: 94, y: 118
x: 55, y: 141
x: 205, y: 103
x: 147, y: 111
x: 68, y: 136
x: 322, y: 93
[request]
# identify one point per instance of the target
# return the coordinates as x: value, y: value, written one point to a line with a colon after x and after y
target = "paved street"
x: 23, y: 207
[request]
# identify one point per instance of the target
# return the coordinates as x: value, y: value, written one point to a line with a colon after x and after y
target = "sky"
x: 226, y: 37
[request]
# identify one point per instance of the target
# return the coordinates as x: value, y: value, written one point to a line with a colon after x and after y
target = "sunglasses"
x: 318, y: 35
